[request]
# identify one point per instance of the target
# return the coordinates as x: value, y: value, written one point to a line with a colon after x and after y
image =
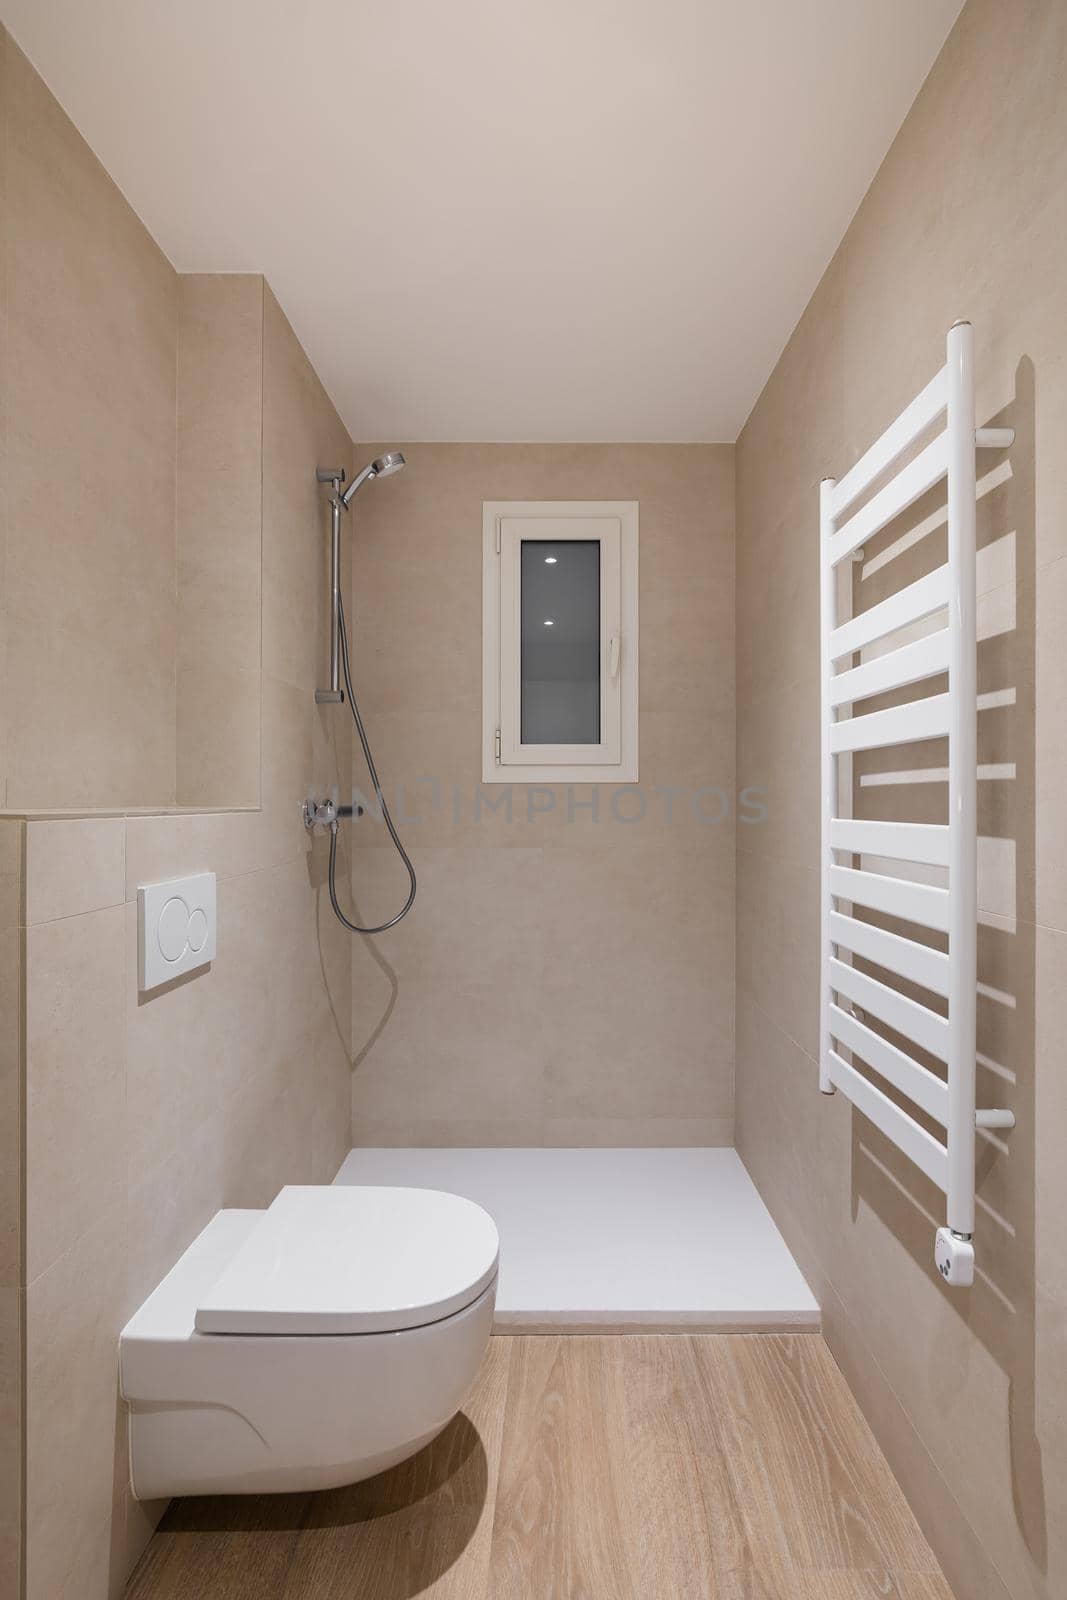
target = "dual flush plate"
x: 175, y: 928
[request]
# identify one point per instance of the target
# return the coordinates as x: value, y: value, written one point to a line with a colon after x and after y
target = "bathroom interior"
x: 533, y: 860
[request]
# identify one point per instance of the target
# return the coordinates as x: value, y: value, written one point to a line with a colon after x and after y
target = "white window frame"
x: 505, y: 524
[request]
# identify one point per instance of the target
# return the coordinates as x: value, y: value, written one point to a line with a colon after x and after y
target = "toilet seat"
x: 353, y: 1260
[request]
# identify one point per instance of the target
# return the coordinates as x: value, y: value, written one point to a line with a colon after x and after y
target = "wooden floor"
x: 640, y: 1468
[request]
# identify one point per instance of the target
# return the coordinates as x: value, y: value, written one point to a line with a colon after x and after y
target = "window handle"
x: 613, y: 657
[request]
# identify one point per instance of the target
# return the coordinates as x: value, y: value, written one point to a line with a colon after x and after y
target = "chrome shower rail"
x: 327, y: 813
x: 852, y: 1052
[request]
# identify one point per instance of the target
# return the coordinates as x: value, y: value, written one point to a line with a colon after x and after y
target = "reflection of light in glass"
x: 549, y: 622
x: 550, y: 561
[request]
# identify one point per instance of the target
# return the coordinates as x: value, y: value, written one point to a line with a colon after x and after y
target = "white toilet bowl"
x: 309, y: 1345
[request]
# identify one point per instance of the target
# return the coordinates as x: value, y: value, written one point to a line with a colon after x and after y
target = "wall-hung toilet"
x: 308, y: 1345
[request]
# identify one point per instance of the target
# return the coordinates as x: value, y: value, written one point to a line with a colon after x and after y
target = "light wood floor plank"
x: 812, y: 1484
x: 844, y: 1585
x: 559, y: 1529
x: 648, y: 1467
x: 681, y: 1510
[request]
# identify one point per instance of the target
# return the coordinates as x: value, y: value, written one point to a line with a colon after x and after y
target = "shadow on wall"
x: 371, y: 1029
x: 389, y: 1538
x: 318, y: 879
x: 1000, y: 1308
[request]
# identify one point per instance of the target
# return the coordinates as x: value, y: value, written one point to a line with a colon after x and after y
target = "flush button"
x: 173, y: 930
x: 176, y: 928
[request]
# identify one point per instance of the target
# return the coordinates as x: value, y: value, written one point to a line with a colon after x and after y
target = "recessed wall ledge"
x: 75, y: 813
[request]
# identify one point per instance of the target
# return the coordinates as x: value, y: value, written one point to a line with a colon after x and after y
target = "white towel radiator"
x: 849, y: 1049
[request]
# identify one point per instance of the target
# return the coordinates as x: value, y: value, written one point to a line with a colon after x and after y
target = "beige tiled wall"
x: 145, y: 1114
x: 88, y: 373
x: 131, y: 444
x: 11, y: 847
x: 559, y: 982
x: 218, y: 520
x: 967, y: 217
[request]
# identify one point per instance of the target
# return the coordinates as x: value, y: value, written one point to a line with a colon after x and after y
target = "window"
x: 559, y: 638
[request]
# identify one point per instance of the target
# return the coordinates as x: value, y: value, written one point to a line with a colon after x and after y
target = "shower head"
x: 380, y: 467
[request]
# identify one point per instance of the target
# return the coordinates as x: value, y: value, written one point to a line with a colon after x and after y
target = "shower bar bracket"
x: 925, y: 630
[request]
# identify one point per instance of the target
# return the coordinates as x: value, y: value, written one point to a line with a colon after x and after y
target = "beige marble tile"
x: 639, y: 917
x: 777, y: 740
x: 74, y: 866
x: 269, y: 1143
x: 1039, y: 1099
x: 218, y: 538
x: 288, y: 771
x: 170, y: 1201
x: 83, y: 739
x: 75, y: 1080
x: 931, y: 1498
x: 217, y: 735
x: 10, y: 1438
x: 331, y: 1112
x: 164, y: 847
x: 632, y: 1049
x: 301, y: 431
x: 75, y: 1529
x: 403, y: 1131
x: 778, y: 1112
x: 679, y: 615
x: 90, y: 360
x: 12, y: 966
x: 777, y: 941
x: 686, y: 799
x: 420, y: 1055
x: 480, y: 915
x: 219, y: 468
x: 628, y: 1133
x: 11, y: 846
x: 1049, y: 763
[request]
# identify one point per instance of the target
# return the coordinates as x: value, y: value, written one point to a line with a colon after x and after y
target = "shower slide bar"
x: 860, y: 857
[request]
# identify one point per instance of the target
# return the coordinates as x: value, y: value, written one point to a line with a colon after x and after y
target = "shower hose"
x: 379, y: 796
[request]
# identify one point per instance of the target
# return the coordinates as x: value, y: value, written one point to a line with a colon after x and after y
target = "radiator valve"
x: 954, y: 1258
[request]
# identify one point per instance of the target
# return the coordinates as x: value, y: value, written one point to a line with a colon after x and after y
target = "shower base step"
x: 611, y: 1241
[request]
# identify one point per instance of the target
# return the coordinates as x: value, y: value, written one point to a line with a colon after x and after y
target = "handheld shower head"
x: 380, y: 467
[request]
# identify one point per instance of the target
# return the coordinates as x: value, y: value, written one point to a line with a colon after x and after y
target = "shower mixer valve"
x: 320, y: 813
x: 327, y: 813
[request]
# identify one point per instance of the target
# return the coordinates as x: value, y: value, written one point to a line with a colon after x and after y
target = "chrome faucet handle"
x: 327, y: 813
x: 320, y: 813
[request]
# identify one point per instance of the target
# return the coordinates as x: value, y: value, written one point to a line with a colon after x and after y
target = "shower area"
x: 546, y: 1026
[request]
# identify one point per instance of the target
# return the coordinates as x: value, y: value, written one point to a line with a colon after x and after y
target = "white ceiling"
x: 495, y: 220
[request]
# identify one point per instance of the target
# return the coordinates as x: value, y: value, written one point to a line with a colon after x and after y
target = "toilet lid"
x: 354, y: 1259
